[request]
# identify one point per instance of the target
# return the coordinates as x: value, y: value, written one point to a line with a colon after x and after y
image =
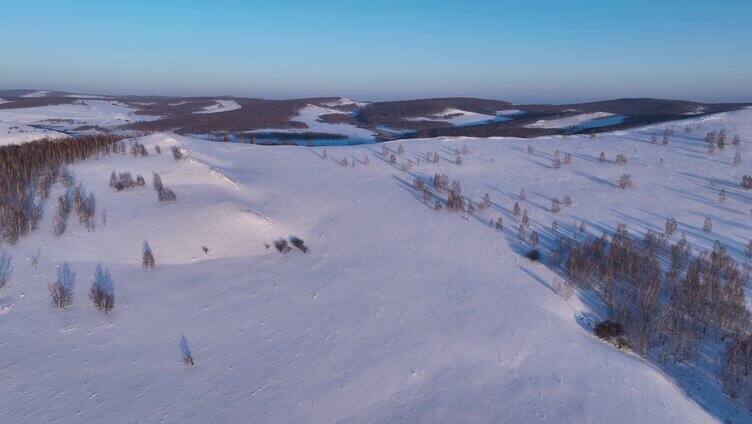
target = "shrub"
x: 6, y: 268
x: 205, y: 249
x: 102, y: 292
x: 533, y: 254
x: 282, y: 246
x: 621, y: 159
x: 625, y: 181
x: 299, y: 244
x: 607, y: 330
x: 61, y: 291
x: 147, y: 257
x: 746, y: 182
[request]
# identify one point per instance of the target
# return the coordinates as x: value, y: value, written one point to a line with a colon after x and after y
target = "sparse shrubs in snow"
x: 722, y: 196
x: 602, y: 157
x: 516, y: 209
x: 746, y: 182
x: 400, y: 150
x: 138, y: 149
x: 485, y: 202
x: 102, y: 292
x: 124, y: 181
x: 736, y: 141
x: 6, y: 268
x: 205, y: 250
x: 530, y: 149
x: 440, y: 182
x: 61, y: 291
x: 737, y: 160
x: 455, y: 202
x: 158, y: 150
x: 670, y: 226
x: 707, y: 226
x: 185, y: 351
x: 282, y: 246
x: 567, y: 158
x: 534, y: 238
x: 621, y: 159
x: 624, y: 182
x: 147, y: 259
x: 556, y: 162
x: 392, y: 159
x: 458, y: 160
x: 525, y: 218
x: 555, y: 205
x: 299, y: 244
x: 432, y: 157
x: 522, y: 195
x: 533, y: 255
x: 499, y: 223
x: 567, y: 200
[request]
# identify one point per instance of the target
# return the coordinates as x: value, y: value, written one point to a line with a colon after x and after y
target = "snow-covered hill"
x: 398, y: 313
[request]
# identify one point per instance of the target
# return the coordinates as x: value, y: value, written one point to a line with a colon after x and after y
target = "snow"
x: 569, y: 121
x: 40, y: 93
x: 221, y: 106
x: 102, y: 113
x: 4, y: 101
x: 398, y: 313
x: 310, y: 115
x: 463, y: 117
x: 344, y: 101
x: 11, y: 133
x: 85, y: 96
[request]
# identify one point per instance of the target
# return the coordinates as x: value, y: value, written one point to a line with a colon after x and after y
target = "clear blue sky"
x: 522, y: 51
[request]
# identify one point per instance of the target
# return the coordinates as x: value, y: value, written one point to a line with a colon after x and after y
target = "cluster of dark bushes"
x: 164, y: 194
x: 28, y: 171
x: 124, y: 181
x: 283, y: 246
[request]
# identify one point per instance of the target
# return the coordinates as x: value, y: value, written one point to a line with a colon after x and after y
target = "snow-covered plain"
x: 101, y: 113
x: 40, y: 93
x: 397, y: 314
x: 455, y: 117
x: 11, y: 133
x: 569, y: 121
x: 218, y: 106
x: 310, y: 115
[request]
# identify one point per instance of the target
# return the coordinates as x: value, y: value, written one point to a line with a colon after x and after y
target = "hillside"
x: 397, y: 313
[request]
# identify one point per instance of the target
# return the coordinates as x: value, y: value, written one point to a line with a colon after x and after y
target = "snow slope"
x: 569, y: 121
x: 218, y: 106
x: 398, y: 313
x: 455, y: 117
x: 18, y: 133
x: 102, y: 113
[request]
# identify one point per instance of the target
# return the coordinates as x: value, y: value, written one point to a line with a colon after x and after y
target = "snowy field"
x: 569, y: 121
x: 15, y: 133
x: 398, y: 313
x: 218, y: 106
x: 101, y: 113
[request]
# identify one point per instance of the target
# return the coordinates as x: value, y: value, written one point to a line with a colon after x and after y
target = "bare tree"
x: 625, y: 181
x: 147, y: 259
x: 555, y: 205
x: 61, y: 291
x: 102, y: 292
x: 6, y: 268
x: 707, y: 226
x: 621, y: 159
